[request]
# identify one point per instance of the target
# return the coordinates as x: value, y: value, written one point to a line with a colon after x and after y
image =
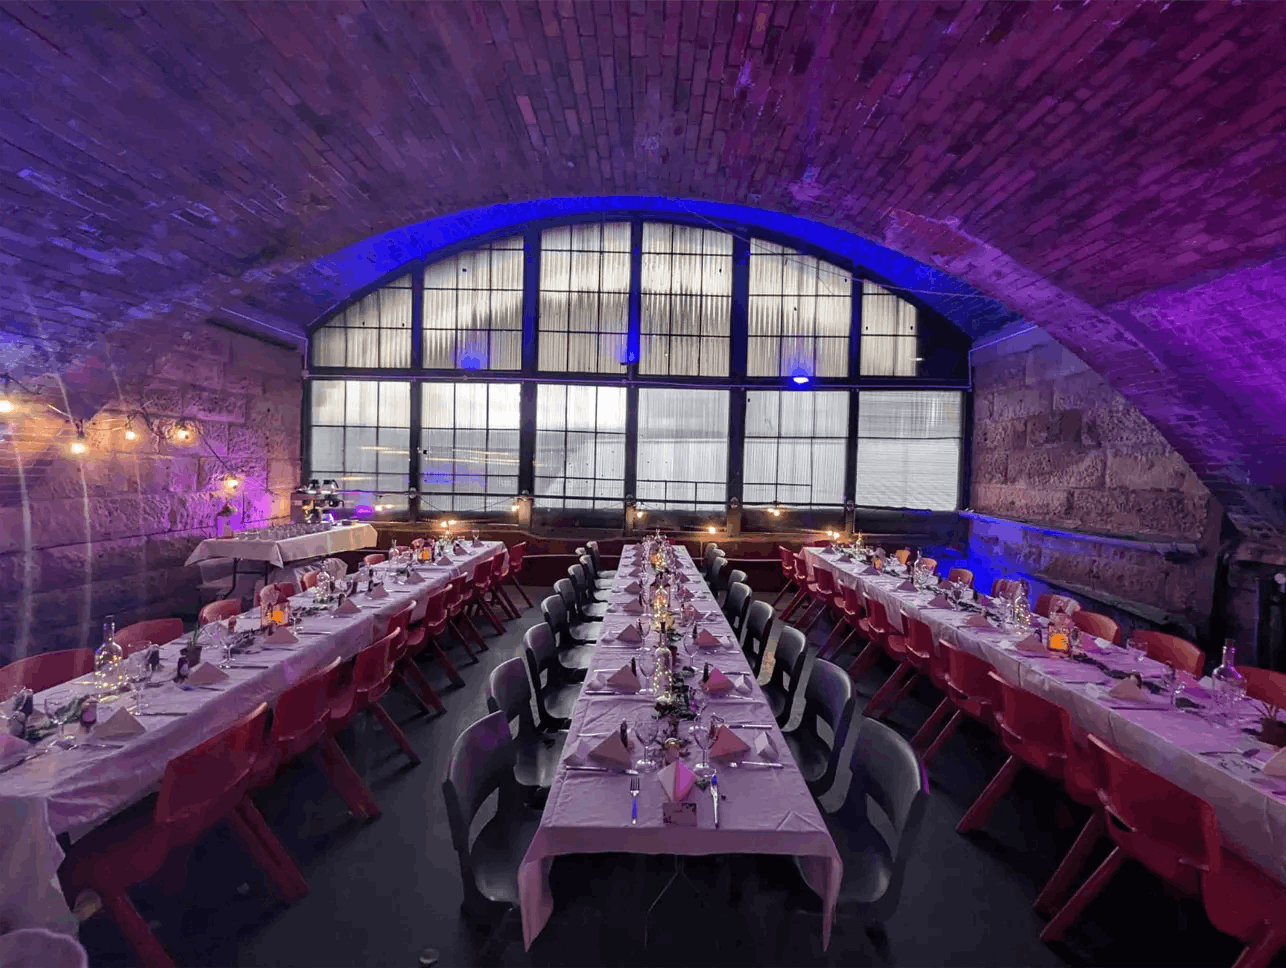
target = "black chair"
x: 590, y: 608
x: 733, y: 576
x: 735, y: 607
x: 581, y: 630
x: 592, y: 548
x: 596, y: 583
x: 717, y: 569
x: 885, y: 769
x: 482, y: 762
x: 536, y: 753
x: 557, y: 693
x: 759, y: 619
x: 707, y: 559
x: 573, y: 654
x: 787, y: 670
x: 828, y: 698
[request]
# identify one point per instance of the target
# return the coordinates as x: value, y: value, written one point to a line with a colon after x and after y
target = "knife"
x: 714, y: 792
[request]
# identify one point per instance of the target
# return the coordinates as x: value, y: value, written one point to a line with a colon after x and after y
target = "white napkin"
x: 1277, y: 765
x: 579, y: 755
x: 762, y: 745
x: 377, y: 591
x: 623, y: 680
x: 346, y: 607
x: 207, y: 674
x: 444, y: 560
x: 675, y: 781
x: 120, y: 725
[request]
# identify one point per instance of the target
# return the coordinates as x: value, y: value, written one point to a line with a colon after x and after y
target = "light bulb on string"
x: 79, y: 445
x: 6, y: 405
x: 231, y: 482
x: 131, y: 434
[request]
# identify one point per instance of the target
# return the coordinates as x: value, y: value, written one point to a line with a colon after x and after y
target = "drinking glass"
x: 646, y: 665
x: 646, y: 729
x: 53, y: 703
x: 1137, y: 651
x: 701, y: 735
x: 140, y: 675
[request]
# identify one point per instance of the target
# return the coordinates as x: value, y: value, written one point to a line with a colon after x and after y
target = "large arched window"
x: 683, y: 366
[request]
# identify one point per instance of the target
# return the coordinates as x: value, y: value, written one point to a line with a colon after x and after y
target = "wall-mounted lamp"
x: 775, y: 512
x: 513, y: 508
x: 231, y: 482
x: 182, y: 432
x: 131, y: 434
x: 712, y: 529
x: 79, y: 445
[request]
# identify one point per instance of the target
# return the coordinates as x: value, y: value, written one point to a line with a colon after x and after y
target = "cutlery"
x: 16, y: 763
x: 634, y: 804
x: 772, y: 766
x: 751, y: 725
x: 211, y: 688
x: 714, y: 794
x: 98, y: 746
x: 1246, y: 753
x: 160, y: 713
x: 246, y: 665
x: 600, y: 769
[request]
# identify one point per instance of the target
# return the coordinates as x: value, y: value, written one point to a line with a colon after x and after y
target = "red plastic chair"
x: 1243, y: 901
x: 1170, y: 831
x: 301, y: 724
x: 40, y: 672
x: 407, y: 672
x: 200, y: 788
x: 371, y: 675
x: 821, y: 594
x: 960, y: 576
x: 1097, y: 625
x: 1031, y: 729
x: 851, y: 611
x: 787, y: 572
x: 156, y: 631
x: 309, y: 580
x: 428, y: 632
x: 896, y: 647
x: 970, y: 690
x: 1180, y: 653
x: 475, y: 595
x: 285, y: 589
x: 513, y: 568
x: 490, y: 589
x: 500, y: 572
x: 802, y: 578
x: 372, y: 560
x: 874, y: 629
x: 218, y: 611
x: 914, y: 652
x: 458, y: 616
x: 938, y: 676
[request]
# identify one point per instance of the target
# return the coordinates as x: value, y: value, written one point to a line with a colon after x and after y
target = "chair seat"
x: 576, y: 657
x: 538, y: 757
x: 607, y: 574
x: 560, y: 700
x: 499, y: 849
x: 586, y: 631
x: 595, y: 610
x: 776, y: 701
x: 868, y: 866
x: 810, y: 753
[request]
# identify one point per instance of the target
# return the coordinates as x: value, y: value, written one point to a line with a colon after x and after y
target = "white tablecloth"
x: 72, y: 791
x: 341, y: 538
x: 1251, y: 807
x: 768, y: 811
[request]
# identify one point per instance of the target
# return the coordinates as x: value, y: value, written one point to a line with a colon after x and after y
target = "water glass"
x: 53, y: 704
x: 702, y: 736
x: 647, y: 729
x: 1137, y: 651
x: 646, y: 663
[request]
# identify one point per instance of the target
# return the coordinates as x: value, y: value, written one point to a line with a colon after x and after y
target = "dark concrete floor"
x: 385, y: 890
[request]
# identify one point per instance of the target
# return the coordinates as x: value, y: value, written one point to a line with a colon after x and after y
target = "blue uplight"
x: 470, y: 363
x: 799, y: 377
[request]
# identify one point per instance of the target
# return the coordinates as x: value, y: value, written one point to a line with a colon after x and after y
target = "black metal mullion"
x: 850, y: 454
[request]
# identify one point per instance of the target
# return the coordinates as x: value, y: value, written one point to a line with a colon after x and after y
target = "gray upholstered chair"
x: 552, y: 684
x: 579, y: 631
x: 828, y: 698
x: 759, y: 620
x: 735, y: 607
x: 606, y: 576
x: 731, y: 578
x: 536, y: 753
x: 718, y: 575
x: 788, y: 668
x: 590, y: 609
x: 572, y: 653
x: 482, y: 762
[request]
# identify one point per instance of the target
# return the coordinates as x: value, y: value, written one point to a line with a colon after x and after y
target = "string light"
x: 6, y: 405
x: 513, y: 508
x: 131, y: 434
x: 712, y: 529
x: 775, y: 512
x: 231, y: 482
x: 79, y: 445
x: 181, y: 432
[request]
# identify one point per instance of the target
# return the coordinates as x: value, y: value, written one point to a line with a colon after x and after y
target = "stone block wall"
x: 108, y: 532
x: 1054, y: 445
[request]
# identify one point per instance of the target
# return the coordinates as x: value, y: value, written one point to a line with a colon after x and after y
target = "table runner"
x: 72, y: 791
x: 279, y: 552
x: 767, y: 810
x: 1251, y: 807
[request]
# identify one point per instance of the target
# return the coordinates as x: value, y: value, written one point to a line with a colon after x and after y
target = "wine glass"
x: 646, y: 663
x: 1136, y: 648
x: 646, y: 729
x: 53, y: 704
x: 140, y: 674
x: 702, y: 736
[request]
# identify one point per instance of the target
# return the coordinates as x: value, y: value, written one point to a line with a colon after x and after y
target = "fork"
x: 634, y: 804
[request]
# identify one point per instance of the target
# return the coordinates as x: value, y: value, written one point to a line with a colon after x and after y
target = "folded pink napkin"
x: 939, y: 602
x: 727, y: 743
x: 280, y: 635
x: 624, y: 680
x: 675, y: 780
x: 12, y: 748
x: 1032, y: 645
x: 414, y: 578
x: 444, y: 560
x: 866, y: 570
x: 978, y: 622
x: 612, y: 752
x: 718, y: 682
x: 632, y: 588
x: 763, y: 746
x: 1277, y: 765
x: 707, y: 640
x: 629, y: 634
x: 120, y: 725
x: 984, y: 600
x: 906, y: 586
x: 683, y: 579
x: 346, y: 607
x: 632, y: 608
x: 1127, y: 689
x: 377, y: 591
x: 207, y: 674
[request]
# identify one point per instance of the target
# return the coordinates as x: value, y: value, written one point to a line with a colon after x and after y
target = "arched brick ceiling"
x: 183, y: 160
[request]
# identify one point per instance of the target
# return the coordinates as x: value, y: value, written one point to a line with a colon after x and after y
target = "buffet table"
x: 70, y: 792
x: 281, y: 551
x: 767, y: 810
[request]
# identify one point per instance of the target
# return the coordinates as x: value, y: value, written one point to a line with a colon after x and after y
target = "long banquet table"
x: 766, y: 811
x: 280, y: 551
x: 72, y: 791
x: 1251, y: 806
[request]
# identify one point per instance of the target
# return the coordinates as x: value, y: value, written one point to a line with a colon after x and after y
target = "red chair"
x: 1097, y: 625
x: 310, y: 579
x: 970, y: 690
x: 938, y: 676
x: 200, y: 788
x: 802, y: 579
x: 851, y: 611
x: 225, y: 608
x: 1031, y: 729
x: 1246, y: 903
x: 916, y: 657
x: 787, y: 572
x: 157, y: 631
x: 372, y: 560
x: 488, y: 582
x: 1180, y: 653
x: 1168, y: 830
x: 821, y: 594
x: 427, y: 633
x: 501, y: 573
x: 929, y: 565
x: 40, y: 672
x: 513, y: 568
x: 874, y: 629
x: 1048, y: 601
x: 301, y: 724
x: 896, y: 648
x: 285, y: 589
x: 457, y: 613
x: 960, y: 576
x: 1264, y: 685
x: 475, y: 595
x: 407, y: 672
x: 373, y: 671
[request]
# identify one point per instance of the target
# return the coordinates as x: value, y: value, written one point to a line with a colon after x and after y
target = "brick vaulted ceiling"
x: 1087, y: 164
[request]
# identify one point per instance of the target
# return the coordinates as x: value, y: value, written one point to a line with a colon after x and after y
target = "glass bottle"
x: 663, y: 673
x: 1229, y: 686
x: 1060, y: 632
x: 108, y: 656
x: 1022, y: 609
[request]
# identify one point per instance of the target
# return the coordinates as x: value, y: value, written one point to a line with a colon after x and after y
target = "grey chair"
x: 733, y: 576
x: 717, y: 569
x: 887, y: 771
x: 759, y: 619
x: 536, y: 753
x: 482, y: 762
x: 788, y: 668
x: 736, y: 606
x: 579, y: 631
x: 707, y: 559
x: 828, y: 698
x: 590, y: 609
x: 591, y: 571
x: 592, y: 548
x: 552, y: 684
x: 572, y: 653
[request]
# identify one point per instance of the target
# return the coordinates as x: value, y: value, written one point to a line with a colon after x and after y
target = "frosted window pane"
x: 808, y: 302
x: 908, y: 449
x: 584, y: 298
x: 473, y: 308
x: 580, y: 446
x: 795, y: 447
x: 686, y: 284
x: 470, y: 439
x: 683, y: 443
x: 361, y: 428
x: 889, y: 341
x: 374, y: 332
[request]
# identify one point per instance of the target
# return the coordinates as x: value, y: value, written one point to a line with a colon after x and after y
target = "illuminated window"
x: 469, y: 437
x: 795, y: 447
x: 683, y: 448
x: 361, y: 437
x: 908, y: 449
x: 580, y: 446
x: 889, y: 340
x: 800, y: 311
x: 584, y: 297
x: 686, y: 310
x: 473, y: 309
x: 374, y: 332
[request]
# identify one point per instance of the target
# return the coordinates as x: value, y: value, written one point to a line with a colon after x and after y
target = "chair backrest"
x: 1264, y: 685
x: 759, y: 621
x: 401, y: 619
x: 156, y: 631
x: 886, y: 769
x: 373, y: 666
x: 577, y: 574
x: 708, y: 556
x: 902, y: 555
x: 435, y: 609
x: 39, y: 672
x: 509, y: 692
x: 482, y: 762
x: 717, y: 569
x: 591, y: 572
x: 516, y: 554
x: 1096, y: 624
x: 302, y: 713
x: 736, y: 606
x: 200, y: 787
x: 876, y: 615
x: 285, y: 589
x: 736, y: 575
x: 541, y: 650
x: 1171, y: 831
x: 218, y: 611
x: 787, y: 561
x: 788, y: 668
x: 309, y: 579
x: 482, y: 573
x: 1180, y: 653
x: 824, y: 579
x: 919, y: 638
x: 961, y: 576
x: 968, y: 679
x: 459, y: 592
x: 852, y: 600
x: 592, y: 548
x: 554, y: 611
x: 372, y: 560
x: 571, y: 606
x: 828, y: 696
x: 1031, y: 727
x: 1001, y: 587
x: 801, y: 569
